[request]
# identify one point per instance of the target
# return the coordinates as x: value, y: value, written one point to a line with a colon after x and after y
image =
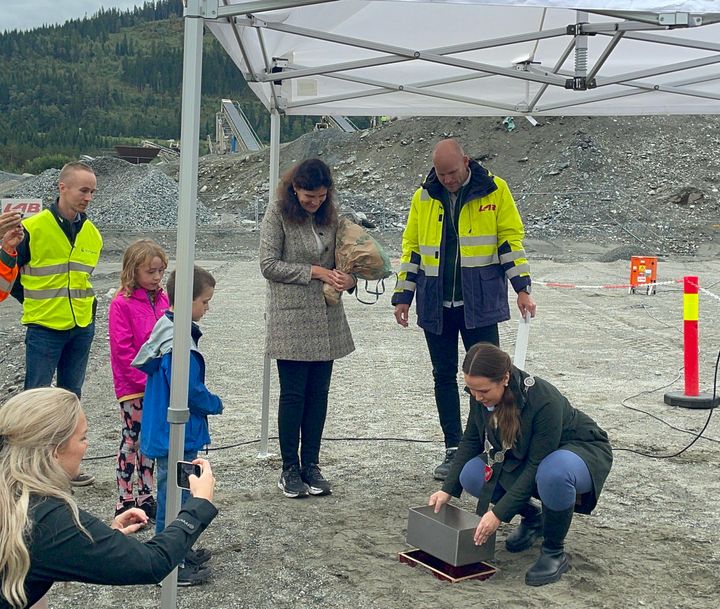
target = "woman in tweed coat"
x: 304, y: 334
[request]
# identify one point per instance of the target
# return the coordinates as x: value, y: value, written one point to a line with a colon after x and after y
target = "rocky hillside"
x: 638, y: 181
x: 626, y: 181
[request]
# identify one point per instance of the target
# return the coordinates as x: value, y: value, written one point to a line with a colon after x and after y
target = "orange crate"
x: 643, y: 273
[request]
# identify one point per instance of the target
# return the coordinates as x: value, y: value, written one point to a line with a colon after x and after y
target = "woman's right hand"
x: 439, y: 499
x: 321, y: 273
x: 203, y: 486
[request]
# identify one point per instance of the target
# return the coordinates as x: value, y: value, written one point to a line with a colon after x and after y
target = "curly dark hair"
x: 308, y: 175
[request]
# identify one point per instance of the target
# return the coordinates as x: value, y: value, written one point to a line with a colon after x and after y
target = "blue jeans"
x: 66, y: 351
x: 560, y: 477
x: 161, y: 478
x: 444, y: 356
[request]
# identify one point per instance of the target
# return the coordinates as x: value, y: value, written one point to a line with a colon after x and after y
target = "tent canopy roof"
x: 445, y: 57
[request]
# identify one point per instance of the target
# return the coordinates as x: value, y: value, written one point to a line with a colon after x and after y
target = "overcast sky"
x: 27, y: 14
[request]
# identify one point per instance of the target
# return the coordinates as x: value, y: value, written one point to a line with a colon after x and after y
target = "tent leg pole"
x: 189, y: 142
x: 274, y: 179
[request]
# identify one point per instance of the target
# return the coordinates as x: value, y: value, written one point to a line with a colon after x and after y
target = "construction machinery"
x: 233, y: 132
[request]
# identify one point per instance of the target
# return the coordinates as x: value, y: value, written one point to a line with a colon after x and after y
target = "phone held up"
x: 184, y: 470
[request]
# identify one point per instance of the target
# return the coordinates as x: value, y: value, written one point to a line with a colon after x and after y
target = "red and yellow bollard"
x: 691, y: 398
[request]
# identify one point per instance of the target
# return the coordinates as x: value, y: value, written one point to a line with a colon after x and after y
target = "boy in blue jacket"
x: 155, y: 359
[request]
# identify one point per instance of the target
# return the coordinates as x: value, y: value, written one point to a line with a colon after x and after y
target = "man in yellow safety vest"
x: 56, y: 258
x: 462, y: 243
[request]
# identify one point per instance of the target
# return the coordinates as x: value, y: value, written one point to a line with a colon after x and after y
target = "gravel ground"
x: 383, y: 440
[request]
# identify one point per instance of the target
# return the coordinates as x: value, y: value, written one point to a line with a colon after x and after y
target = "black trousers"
x: 444, y: 357
x: 304, y: 388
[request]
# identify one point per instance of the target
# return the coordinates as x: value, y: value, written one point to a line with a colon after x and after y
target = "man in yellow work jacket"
x: 462, y: 243
x: 56, y: 258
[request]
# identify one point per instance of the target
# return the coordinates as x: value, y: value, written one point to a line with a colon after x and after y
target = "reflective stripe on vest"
x: 56, y: 280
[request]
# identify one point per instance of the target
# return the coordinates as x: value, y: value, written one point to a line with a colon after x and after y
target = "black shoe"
x: 149, y: 506
x: 196, y: 558
x: 192, y: 576
x: 442, y: 470
x: 126, y: 505
x: 314, y: 479
x: 82, y: 479
x: 548, y: 567
x: 291, y: 483
x: 529, y: 529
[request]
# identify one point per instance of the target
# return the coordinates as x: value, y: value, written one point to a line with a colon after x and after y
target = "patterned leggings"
x: 129, y: 459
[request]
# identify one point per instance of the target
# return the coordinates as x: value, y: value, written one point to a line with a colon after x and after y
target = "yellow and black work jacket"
x: 490, y: 250
x: 57, y: 292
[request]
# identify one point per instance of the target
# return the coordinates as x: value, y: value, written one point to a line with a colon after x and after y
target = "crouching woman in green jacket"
x: 45, y: 537
x: 523, y: 439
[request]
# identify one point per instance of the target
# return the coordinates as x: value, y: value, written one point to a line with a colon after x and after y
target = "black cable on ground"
x: 340, y: 439
x: 697, y: 435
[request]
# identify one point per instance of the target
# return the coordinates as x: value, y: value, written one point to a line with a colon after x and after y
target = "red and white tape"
x: 616, y: 286
x: 606, y: 286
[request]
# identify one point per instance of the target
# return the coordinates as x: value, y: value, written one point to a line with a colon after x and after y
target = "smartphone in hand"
x: 184, y: 470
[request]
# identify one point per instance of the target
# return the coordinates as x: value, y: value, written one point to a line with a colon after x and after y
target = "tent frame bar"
x: 639, y: 89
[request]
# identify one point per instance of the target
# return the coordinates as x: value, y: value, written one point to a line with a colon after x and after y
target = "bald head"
x: 451, y: 164
x: 77, y: 184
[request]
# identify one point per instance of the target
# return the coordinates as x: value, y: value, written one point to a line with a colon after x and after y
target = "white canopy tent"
x: 358, y: 57
x: 435, y: 57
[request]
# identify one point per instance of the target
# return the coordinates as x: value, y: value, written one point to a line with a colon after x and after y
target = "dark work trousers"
x: 304, y: 388
x: 66, y: 351
x: 444, y: 357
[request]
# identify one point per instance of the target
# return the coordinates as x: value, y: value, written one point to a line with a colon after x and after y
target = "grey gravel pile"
x: 129, y: 196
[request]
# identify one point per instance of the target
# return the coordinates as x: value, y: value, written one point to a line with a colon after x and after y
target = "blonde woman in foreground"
x: 45, y: 537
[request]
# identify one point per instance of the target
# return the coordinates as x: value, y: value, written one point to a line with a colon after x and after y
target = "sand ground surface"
x: 651, y: 542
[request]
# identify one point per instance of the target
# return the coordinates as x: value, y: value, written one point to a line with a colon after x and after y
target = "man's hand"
x: 401, y: 314
x: 526, y: 304
x: 12, y: 239
x: 8, y: 221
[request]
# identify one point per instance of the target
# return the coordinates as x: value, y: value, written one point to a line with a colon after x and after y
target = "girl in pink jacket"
x: 138, y: 304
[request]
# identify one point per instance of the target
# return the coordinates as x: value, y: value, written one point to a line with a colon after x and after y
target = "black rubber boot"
x: 553, y: 561
x: 529, y: 529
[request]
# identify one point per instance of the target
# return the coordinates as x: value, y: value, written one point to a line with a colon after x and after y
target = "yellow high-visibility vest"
x: 56, y: 281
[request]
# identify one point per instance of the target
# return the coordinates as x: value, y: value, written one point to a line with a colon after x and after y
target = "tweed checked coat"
x: 300, y: 326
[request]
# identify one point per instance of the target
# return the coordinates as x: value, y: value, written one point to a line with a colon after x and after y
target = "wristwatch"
x: 526, y: 289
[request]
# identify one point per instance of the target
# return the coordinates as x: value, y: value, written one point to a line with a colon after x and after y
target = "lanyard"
x: 491, y: 460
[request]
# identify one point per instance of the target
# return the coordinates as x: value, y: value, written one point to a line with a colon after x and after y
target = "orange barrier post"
x: 691, y: 398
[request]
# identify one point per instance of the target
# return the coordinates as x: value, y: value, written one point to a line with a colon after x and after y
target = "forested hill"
x: 82, y: 87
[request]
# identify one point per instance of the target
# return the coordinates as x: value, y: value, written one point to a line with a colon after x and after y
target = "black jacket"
x: 59, y: 551
x: 547, y: 422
